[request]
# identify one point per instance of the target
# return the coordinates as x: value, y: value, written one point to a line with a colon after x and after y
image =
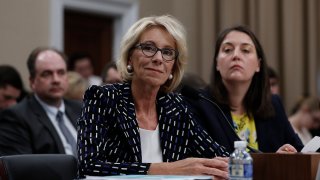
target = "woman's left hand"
x: 287, y: 149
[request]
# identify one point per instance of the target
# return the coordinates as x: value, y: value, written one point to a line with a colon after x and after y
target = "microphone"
x: 194, y: 94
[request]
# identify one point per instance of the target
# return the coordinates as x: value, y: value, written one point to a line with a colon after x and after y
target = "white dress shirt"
x: 52, y: 111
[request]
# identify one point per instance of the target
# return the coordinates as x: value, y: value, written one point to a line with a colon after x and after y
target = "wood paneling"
x: 90, y: 33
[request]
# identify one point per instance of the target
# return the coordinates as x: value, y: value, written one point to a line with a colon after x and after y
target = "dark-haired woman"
x: 242, y: 106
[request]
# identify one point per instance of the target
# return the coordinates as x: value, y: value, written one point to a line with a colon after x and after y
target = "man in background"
x: 82, y: 64
x: 110, y: 74
x: 44, y: 122
x: 11, y: 86
x: 274, y: 81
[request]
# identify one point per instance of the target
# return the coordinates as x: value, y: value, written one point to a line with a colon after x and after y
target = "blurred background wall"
x: 287, y: 29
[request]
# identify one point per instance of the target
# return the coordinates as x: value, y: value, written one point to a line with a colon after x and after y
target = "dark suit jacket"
x: 109, y: 139
x: 272, y: 133
x: 26, y: 129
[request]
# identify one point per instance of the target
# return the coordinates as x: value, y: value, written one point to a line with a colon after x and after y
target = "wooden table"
x: 285, y: 166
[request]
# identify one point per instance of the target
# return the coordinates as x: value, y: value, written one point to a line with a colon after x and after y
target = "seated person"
x: 44, y: 122
x: 110, y: 74
x: 305, y: 117
x: 11, y: 87
x: 82, y: 63
x: 274, y: 81
x: 140, y: 126
x: 77, y: 86
x: 238, y: 103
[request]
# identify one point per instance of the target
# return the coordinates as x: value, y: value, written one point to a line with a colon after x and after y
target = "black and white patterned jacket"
x: 108, y: 132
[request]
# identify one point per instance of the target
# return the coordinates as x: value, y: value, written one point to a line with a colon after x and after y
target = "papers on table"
x: 152, y: 177
x: 312, y: 146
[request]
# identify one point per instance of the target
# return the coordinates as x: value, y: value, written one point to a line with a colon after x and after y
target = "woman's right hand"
x: 217, y: 167
x: 287, y: 149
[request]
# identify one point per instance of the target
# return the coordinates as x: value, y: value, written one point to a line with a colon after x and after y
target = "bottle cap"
x: 240, y: 144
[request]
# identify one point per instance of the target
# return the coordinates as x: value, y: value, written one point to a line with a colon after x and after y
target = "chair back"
x: 38, y: 167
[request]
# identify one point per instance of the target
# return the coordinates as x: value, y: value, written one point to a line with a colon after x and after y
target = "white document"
x: 312, y: 146
x: 148, y: 177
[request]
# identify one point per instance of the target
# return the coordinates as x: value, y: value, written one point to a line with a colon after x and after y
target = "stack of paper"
x: 312, y: 146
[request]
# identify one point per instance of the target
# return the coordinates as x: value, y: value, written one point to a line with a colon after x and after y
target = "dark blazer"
x: 109, y: 139
x: 272, y: 133
x: 26, y: 129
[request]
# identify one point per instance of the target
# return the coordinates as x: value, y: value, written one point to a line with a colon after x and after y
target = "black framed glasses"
x: 150, y: 50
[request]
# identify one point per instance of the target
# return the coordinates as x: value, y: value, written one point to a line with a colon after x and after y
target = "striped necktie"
x: 66, y: 132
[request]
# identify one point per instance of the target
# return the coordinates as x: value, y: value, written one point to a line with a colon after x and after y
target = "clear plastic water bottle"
x: 240, y: 162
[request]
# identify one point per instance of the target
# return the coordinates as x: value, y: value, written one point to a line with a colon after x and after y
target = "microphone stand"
x: 189, y: 90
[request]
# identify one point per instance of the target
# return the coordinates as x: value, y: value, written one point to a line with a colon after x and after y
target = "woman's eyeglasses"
x: 150, y: 50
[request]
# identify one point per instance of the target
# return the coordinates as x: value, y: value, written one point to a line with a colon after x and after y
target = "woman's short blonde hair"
x: 77, y: 86
x: 131, y: 38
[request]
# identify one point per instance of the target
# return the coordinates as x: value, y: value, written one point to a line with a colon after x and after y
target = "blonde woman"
x: 140, y: 126
x: 77, y: 86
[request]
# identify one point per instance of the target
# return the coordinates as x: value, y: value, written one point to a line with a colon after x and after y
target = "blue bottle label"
x: 248, y: 170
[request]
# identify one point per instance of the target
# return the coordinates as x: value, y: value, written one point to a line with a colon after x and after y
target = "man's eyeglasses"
x: 150, y: 50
